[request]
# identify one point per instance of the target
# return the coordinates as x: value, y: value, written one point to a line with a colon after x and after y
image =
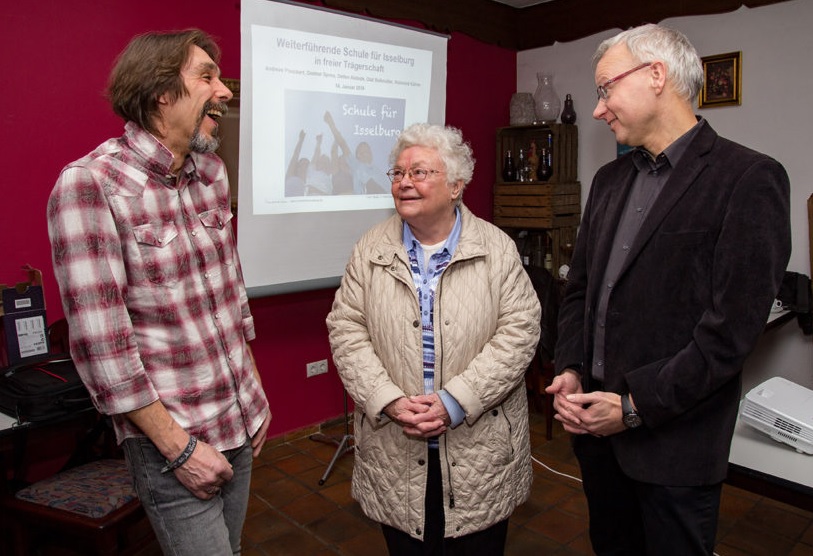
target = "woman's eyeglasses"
x: 415, y: 174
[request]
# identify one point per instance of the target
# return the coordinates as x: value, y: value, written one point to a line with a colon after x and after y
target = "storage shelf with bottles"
x: 561, y: 139
x: 541, y: 214
x: 533, y: 199
x: 548, y: 249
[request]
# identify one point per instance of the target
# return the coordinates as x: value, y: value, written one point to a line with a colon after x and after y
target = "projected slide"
x: 324, y: 96
x: 332, y: 109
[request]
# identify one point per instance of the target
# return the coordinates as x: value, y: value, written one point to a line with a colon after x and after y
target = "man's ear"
x: 657, y: 75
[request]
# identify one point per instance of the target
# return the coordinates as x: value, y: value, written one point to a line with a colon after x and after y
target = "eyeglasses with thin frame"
x: 415, y: 174
x: 602, y: 91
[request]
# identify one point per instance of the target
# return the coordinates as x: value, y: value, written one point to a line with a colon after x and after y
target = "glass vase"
x: 547, y: 103
x: 522, y: 109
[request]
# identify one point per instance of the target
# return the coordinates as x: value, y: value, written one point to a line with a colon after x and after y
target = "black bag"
x: 42, y: 389
x: 795, y: 294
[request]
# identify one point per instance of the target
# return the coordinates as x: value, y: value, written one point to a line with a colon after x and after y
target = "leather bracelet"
x: 185, y: 455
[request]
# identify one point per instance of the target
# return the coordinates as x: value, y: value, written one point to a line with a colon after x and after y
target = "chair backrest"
x: 547, y: 290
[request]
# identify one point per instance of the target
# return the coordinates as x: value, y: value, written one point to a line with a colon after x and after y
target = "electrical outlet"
x: 316, y: 368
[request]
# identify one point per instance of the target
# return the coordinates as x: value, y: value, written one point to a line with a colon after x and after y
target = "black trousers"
x: 632, y: 518
x: 488, y: 542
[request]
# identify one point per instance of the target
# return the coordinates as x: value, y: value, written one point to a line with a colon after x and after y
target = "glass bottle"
x: 508, y: 168
x: 568, y: 114
x: 533, y: 162
x: 547, y: 103
x: 545, y: 171
x: 550, y: 151
x: 546, y: 159
x: 520, y: 170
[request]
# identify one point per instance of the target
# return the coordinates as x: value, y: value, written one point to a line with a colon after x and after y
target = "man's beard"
x: 199, y: 142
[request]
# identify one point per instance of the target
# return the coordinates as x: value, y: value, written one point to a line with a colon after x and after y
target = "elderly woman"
x: 431, y: 330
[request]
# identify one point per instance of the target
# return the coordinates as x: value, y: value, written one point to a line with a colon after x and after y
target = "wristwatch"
x: 630, y: 418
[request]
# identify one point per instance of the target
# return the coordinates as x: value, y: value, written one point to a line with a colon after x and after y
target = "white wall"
x: 776, y: 117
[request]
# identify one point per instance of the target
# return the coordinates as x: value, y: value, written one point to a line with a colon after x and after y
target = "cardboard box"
x: 24, y: 327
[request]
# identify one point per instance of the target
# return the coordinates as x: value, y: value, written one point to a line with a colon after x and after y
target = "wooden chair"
x: 540, y: 372
x: 538, y: 376
x: 90, y: 505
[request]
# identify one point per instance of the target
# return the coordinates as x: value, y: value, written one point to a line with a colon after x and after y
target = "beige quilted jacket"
x: 486, y: 329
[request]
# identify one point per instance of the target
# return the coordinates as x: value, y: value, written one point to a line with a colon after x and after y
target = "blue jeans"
x: 183, y: 523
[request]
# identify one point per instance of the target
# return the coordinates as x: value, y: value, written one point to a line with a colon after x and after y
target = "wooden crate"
x: 535, y: 245
x: 562, y: 240
x: 564, y: 139
x: 531, y: 206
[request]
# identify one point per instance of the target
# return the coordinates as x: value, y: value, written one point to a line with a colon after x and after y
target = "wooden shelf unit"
x: 541, y: 216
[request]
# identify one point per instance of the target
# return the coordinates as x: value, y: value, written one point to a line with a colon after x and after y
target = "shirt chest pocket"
x: 217, y: 223
x: 162, y: 260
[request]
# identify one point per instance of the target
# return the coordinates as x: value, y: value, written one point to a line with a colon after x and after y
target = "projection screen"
x: 323, y: 97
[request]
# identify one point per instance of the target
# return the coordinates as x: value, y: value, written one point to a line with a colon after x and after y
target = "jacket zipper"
x: 449, y: 474
x: 439, y: 372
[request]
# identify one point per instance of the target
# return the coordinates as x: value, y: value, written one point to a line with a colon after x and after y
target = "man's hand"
x: 596, y: 413
x: 205, y: 471
x: 567, y: 412
x: 258, y: 440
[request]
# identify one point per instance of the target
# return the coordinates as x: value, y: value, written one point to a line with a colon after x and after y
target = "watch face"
x: 632, y: 420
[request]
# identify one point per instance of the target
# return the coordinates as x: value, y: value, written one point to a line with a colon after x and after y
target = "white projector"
x: 783, y: 410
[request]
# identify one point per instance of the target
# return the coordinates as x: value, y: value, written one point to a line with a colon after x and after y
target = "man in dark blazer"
x: 680, y: 252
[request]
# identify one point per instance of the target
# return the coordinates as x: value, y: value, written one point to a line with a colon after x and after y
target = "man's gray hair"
x: 650, y: 43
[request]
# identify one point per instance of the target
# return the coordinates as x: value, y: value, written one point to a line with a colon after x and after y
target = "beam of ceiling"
x: 539, y: 25
x: 521, y: 3
x: 485, y: 20
x: 568, y: 20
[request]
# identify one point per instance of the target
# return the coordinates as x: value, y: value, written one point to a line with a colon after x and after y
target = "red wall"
x: 56, y: 56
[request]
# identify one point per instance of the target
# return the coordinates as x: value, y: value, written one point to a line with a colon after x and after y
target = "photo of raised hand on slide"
x: 367, y: 177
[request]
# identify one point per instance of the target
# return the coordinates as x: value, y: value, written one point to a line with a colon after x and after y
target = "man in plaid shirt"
x: 152, y: 289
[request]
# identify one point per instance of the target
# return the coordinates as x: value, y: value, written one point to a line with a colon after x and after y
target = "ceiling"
x: 526, y: 24
x: 521, y: 3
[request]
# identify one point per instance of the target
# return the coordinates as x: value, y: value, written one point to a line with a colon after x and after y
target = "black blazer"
x: 688, y: 306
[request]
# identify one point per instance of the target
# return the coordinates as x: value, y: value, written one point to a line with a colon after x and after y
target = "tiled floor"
x: 289, y: 513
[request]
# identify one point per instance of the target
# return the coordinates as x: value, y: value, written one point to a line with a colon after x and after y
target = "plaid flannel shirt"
x: 152, y: 288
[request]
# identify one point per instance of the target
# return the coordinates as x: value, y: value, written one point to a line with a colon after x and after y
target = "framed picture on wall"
x: 722, y: 80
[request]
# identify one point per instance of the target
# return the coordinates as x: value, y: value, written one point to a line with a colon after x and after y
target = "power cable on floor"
x: 554, y: 471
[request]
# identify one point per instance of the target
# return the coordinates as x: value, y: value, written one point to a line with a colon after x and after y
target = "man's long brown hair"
x: 149, y: 67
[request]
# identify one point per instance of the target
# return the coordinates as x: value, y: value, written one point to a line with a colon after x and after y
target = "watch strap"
x: 626, y: 404
x: 629, y: 416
